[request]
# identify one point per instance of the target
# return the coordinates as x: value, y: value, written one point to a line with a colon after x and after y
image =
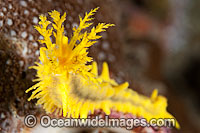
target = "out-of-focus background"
x: 155, y: 44
x: 162, y: 50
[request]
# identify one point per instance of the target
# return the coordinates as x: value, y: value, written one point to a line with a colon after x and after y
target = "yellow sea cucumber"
x: 66, y: 84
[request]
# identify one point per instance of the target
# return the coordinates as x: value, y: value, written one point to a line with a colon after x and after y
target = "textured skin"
x: 18, y: 17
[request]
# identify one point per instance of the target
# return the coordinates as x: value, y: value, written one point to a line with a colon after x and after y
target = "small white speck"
x: 24, y: 51
x: 74, y: 25
x: 10, y: 6
x: 34, y: 10
x: 13, y: 33
x: 30, y: 37
x: 26, y: 12
x: 41, y: 37
x: 1, y: 14
x: 4, y: 9
x: 35, y: 20
x: 49, y: 0
x: 1, y: 23
x: 101, y: 56
x: 23, y: 3
x: 15, y: 13
x: 21, y: 63
x: 3, y: 116
x: 8, y: 62
x: 105, y: 45
x: 24, y: 34
x: 35, y: 44
x: 23, y: 25
x: 9, y: 21
x: 37, y: 52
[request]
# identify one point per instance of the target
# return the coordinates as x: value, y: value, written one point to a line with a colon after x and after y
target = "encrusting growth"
x: 67, y: 85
